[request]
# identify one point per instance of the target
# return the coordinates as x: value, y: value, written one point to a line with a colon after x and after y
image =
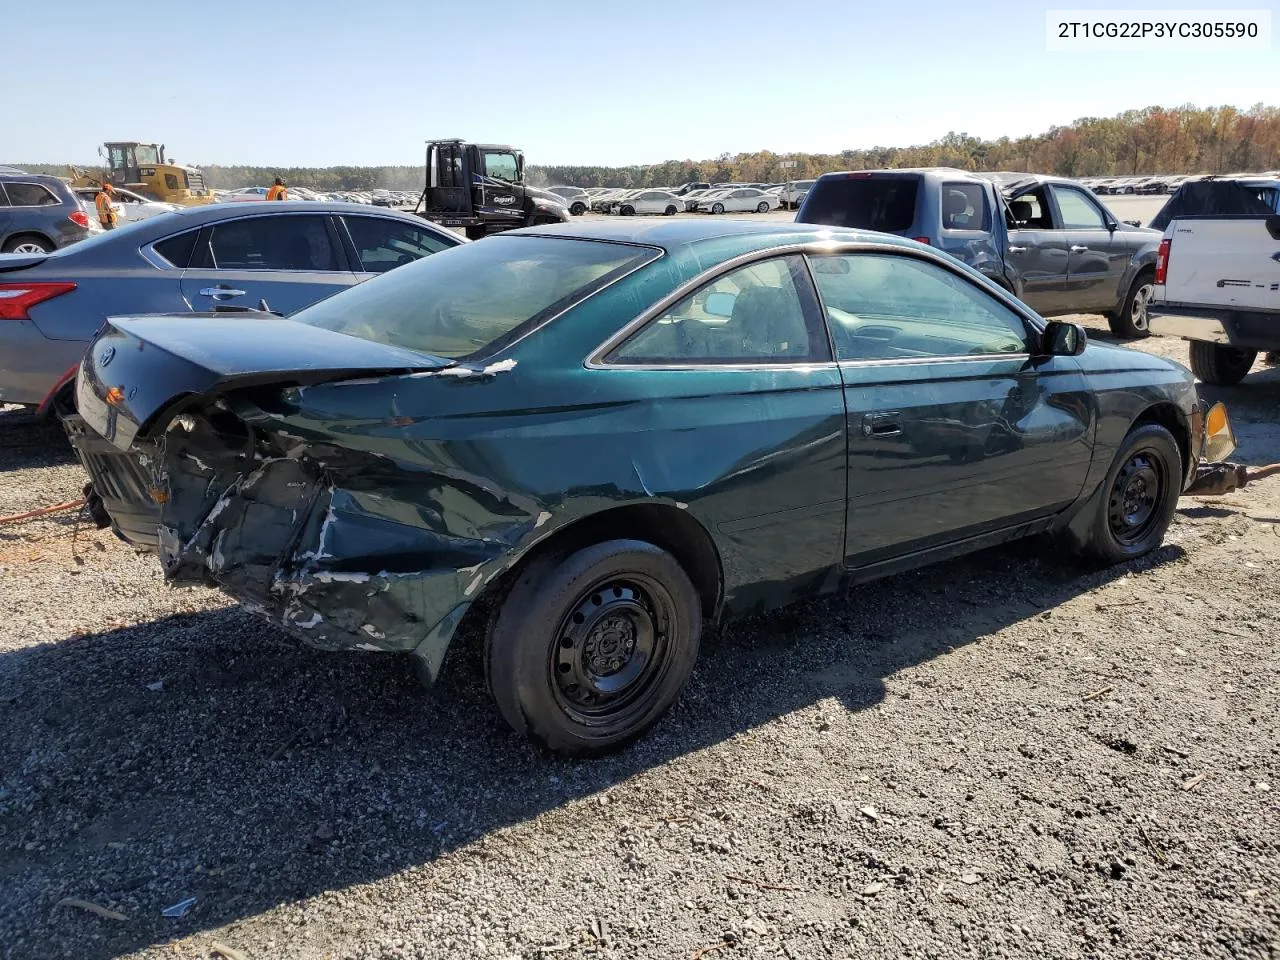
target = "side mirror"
x: 1062, y: 339
x: 1134, y: 223
x: 719, y: 304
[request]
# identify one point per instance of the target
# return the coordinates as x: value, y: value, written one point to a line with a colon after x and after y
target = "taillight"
x: 17, y: 298
x: 1162, y: 262
x: 924, y: 240
x: 80, y: 218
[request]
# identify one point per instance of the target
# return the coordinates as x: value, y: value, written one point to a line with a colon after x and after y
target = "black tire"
x: 1136, y: 502
x: 578, y: 208
x: 1131, y: 322
x: 13, y: 244
x: 717, y: 208
x: 762, y: 206
x: 476, y: 233
x: 670, y: 211
x: 621, y: 601
x: 628, y: 211
x: 1216, y: 364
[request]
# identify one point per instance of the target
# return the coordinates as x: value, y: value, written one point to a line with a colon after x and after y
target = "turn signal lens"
x: 1220, y: 439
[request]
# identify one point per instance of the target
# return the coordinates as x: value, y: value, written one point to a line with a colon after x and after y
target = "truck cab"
x: 481, y: 187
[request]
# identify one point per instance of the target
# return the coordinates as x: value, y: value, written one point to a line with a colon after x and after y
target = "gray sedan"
x: 200, y: 259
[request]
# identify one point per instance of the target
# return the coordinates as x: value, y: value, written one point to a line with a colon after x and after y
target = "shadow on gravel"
x: 27, y: 442
x: 206, y: 756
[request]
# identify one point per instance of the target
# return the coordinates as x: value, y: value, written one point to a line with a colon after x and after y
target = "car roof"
x: 215, y: 211
x: 672, y: 234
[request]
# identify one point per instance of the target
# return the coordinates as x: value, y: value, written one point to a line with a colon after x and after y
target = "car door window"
x: 761, y: 313
x: 1030, y: 211
x: 884, y: 307
x: 30, y: 195
x: 1078, y: 213
x: 384, y: 244
x: 273, y: 243
x: 177, y: 250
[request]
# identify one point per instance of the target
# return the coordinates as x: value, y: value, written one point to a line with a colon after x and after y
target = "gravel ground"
x: 1005, y: 756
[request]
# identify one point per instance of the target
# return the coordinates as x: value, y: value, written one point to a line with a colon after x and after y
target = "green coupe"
x: 589, y: 441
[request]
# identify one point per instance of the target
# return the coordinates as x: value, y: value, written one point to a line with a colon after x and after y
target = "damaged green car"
x: 589, y: 440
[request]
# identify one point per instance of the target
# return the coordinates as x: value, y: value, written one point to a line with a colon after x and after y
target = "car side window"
x: 30, y: 195
x: 1030, y: 211
x: 177, y: 250
x: 761, y: 313
x: 964, y: 207
x: 885, y: 307
x: 385, y: 244
x: 273, y: 243
x: 1078, y: 213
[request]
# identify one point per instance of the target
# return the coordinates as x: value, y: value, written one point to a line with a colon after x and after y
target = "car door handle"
x: 1017, y: 249
x: 1076, y: 248
x: 882, y: 425
x: 221, y: 293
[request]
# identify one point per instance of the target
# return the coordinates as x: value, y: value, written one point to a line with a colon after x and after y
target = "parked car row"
x: 1163, y: 183
x: 377, y: 198
x: 686, y: 198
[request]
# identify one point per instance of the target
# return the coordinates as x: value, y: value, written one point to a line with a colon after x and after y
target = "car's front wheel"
x: 1136, y: 503
x: 717, y: 208
x: 588, y: 651
x: 1132, y: 322
x: 1220, y: 365
x: 578, y: 208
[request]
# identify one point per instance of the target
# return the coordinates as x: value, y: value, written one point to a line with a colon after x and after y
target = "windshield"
x: 477, y: 296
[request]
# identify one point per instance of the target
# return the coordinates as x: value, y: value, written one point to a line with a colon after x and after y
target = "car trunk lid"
x: 140, y: 366
x: 21, y: 261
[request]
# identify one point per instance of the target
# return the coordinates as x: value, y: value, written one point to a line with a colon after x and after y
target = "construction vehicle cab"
x: 481, y: 186
x: 143, y: 168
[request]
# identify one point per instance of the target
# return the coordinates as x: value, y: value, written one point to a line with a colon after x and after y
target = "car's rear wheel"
x: 762, y: 207
x: 1131, y: 322
x: 1138, y: 496
x: 589, y: 651
x: 27, y: 244
x: 1220, y: 365
x: 578, y: 209
x: 717, y: 208
x: 670, y: 211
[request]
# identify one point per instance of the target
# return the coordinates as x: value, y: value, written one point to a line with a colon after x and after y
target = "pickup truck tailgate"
x: 1231, y: 262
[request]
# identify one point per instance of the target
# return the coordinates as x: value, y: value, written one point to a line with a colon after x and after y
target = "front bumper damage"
x: 339, y: 548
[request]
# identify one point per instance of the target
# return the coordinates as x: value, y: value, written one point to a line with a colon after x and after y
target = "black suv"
x: 39, y: 214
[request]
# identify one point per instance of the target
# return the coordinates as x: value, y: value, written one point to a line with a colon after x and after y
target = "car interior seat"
x: 955, y: 211
x: 770, y: 323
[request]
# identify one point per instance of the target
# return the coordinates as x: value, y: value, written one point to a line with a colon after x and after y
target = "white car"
x: 244, y: 193
x: 651, y: 201
x: 793, y: 194
x: 129, y: 206
x: 743, y: 200
x: 575, y: 198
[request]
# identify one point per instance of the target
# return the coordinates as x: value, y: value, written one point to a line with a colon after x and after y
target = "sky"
x: 329, y: 82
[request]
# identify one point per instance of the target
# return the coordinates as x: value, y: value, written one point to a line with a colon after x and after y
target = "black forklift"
x: 480, y: 186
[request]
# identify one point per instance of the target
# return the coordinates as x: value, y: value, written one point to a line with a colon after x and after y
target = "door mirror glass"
x: 1132, y: 223
x: 719, y: 304
x: 1064, y: 339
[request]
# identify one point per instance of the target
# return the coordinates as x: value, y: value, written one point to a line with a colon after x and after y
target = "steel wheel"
x: 1133, y: 508
x: 612, y: 649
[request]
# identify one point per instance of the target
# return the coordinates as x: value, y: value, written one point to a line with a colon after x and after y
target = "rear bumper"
x: 31, y: 363
x: 1248, y: 329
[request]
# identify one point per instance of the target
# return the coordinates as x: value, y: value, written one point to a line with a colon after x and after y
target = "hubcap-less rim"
x: 29, y: 248
x: 1134, y: 505
x: 1141, y: 300
x: 612, y: 650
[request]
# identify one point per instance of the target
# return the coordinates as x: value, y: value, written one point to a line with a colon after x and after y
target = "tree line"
x: 1154, y: 140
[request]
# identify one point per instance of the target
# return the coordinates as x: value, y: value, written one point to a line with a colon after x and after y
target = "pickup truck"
x: 1047, y: 240
x: 1218, y: 286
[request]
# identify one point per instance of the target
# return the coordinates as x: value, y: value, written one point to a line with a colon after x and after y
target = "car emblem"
x: 105, y: 357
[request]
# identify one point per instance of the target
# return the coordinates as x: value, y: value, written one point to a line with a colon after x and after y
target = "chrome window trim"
x: 596, y: 359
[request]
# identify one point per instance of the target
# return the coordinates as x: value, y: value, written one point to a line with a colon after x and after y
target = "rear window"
x: 476, y: 297
x: 887, y: 204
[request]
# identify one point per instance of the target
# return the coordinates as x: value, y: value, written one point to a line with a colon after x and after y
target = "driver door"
x: 500, y: 183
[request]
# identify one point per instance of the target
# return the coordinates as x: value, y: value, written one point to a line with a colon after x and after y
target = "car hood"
x: 138, y: 366
x: 1100, y: 357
